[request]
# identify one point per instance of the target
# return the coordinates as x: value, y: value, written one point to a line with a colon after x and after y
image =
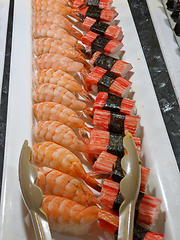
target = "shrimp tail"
x: 88, y: 112
x: 92, y: 183
x: 83, y: 75
x: 90, y: 157
x: 87, y: 96
x: 84, y: 134
x: 100, y: 174
x: 76, y: 33
x: 78, y: 16
x: 108, y: 221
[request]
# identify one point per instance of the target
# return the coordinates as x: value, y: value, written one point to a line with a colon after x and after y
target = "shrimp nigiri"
x: 63, y: 79
x: 59, y: 133
x: 58, y: 19
x: 51, y: 45
x: 45, y: 111
x: 54, y: 182
x: 54, y: 93
x: 53, y: 6
x: 65, y: 215
x: 55, y: 31
x: 55, y: 60
x: 52, y: 155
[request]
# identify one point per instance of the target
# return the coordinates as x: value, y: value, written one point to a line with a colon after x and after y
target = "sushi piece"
x: 114, y: 65
x: 109, y: 163
x: 110, y: 102
x: 102, y: 28
x: 99, y: 43
x: 98, y: 3
x: 106, y: 15
x: 112, y: 227
x: 108, y: 82
x: 146, y: 209
x: 170, y: 4
x: 116, y: 122
x: 100, y: 141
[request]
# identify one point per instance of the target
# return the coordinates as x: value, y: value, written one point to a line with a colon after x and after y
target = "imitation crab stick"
x: 112, y: 64
x: 99, y: 43
x: 102, y: 28
x: 115, y: 122
x: 100, y: 141
x: 109, y: 163
x: 107, y: 222
x: 99, y: 3
x: 106, y: 15
x: 110, y: 102
x: 146, y: 210
x: 108, y: 82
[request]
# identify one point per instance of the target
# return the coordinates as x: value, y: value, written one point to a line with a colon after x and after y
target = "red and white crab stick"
x: 109, y: 31
x: 114, y: 65
x: 116, y: 122
x: 108, y: 82
x: 99, y: 43
x: 103, y: 4
x: 111, y: 102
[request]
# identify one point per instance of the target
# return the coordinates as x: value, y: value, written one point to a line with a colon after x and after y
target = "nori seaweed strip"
x: 115, y: 145
x: 99, y: 27
x: 119, y: 200
x: 106, y: 81
x: 113, y: 103
x: 93, y: 12
x: 170, y: 4
x: 138, y: 202
x: 138, y: 233
x: 117, y: 171
x: 99, y: 44
x: 104, y: 61
x: 116, y: 123
x: 93, y: 3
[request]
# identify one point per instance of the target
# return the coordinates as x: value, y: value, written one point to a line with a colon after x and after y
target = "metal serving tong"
x: 129, y: 188
x: 32, y: 194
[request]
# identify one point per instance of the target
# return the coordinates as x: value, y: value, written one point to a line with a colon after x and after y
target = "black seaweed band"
x: 115, y: 145
x: 99, y: 44
x: 106, y: 81
x: 99, y: 27
x: 104, y: 61
x: 93, y: 12
x: 113, y: 103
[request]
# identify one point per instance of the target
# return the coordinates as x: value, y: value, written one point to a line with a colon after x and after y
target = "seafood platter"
x: 78, y: 83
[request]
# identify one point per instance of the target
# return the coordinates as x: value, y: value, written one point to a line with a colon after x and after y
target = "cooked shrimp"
x: 45, y: 111
x: 54, y: 182
x: 53, y: 6
x: 61, y: 78
x: 54, y: 93
x: 65, y: 215
x: 59, y: 133
x: 55, y: 60
x: 54, y: 31
x: 58, y: 19
x: 52, y: 155
x: 51, y: 45
x: 65, y: 2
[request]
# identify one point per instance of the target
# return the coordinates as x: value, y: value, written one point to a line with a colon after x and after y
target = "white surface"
x: 156, y: 150
x: 168, y: 43
x: 4, y: 10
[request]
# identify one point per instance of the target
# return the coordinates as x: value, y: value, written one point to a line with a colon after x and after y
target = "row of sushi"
x: 60, y: 132
x: 174, y: 7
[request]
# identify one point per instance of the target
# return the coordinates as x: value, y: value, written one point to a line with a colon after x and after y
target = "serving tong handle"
x: 129, y: 188
x: 32, y: 194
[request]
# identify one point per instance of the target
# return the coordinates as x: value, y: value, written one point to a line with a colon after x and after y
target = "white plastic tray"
x: 157, y: 153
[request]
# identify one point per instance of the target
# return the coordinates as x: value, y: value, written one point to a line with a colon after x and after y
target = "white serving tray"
x: 157, y: 153
x: 4, y: 10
